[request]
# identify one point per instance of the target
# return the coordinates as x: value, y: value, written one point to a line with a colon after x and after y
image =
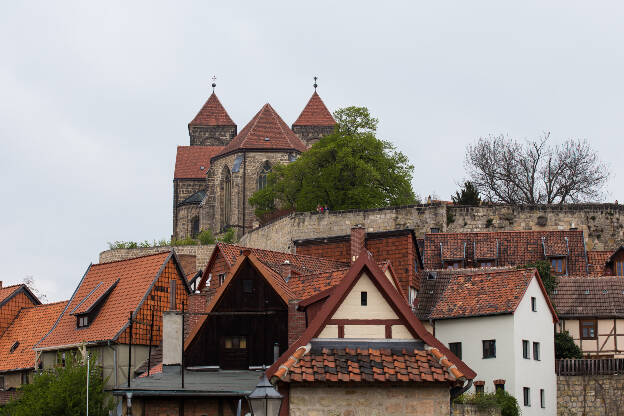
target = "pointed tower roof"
x: 212, y: 114
x: 315, y: 113
x: 266, y: 130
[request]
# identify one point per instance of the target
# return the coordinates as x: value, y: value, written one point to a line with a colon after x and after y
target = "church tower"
x: 315, y: 121
x: 212, y: 126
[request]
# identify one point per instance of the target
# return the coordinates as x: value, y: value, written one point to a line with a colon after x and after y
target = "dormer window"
x: 485, y: 263
x: 83, y: 321
x: 619, y: 268
x: 87, y: 309
x: 558, y: 265
x: 452, y: 264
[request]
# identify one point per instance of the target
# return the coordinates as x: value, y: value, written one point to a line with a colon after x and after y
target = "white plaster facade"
x: 509, y: 331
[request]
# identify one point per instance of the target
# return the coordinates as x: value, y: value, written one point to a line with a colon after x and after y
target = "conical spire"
x: 315, y: 113
x: 266, y: 130
x: 212, y: 114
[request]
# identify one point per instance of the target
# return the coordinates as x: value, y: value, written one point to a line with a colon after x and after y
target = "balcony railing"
x: 589, y: 366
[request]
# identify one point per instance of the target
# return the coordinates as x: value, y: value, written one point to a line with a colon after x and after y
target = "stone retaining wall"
x: 472, y: 410
x: 603, y: 224
x: 590, y: 395
x: 202, y: 253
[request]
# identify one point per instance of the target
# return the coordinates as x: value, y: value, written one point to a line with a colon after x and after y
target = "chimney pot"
x: 358, y: 237
x: 286, y: 270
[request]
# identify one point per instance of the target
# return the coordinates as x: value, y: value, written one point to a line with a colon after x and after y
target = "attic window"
x: 587, y: 291
x: 14, y: 346
x: 202, y: 168
x: 431, y: 276
x: 266, y: 139
x: 83, y: 321
x: 363, y: 298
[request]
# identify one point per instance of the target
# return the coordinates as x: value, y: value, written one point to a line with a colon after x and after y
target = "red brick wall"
x: 296, y: 323
x: 400, y: 251
x: 196, y: 306
x: 9, y: 310
x: 340, y: 250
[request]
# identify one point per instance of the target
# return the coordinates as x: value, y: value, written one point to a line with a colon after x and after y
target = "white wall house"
x: 501, y: 324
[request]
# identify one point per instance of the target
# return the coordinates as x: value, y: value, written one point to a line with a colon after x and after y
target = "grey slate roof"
x: 593, y: 297
x: 194, y: 199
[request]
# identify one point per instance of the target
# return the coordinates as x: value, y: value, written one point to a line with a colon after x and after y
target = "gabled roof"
x: 315, y: 113
x: 300, y: 264
x: 95, y: 298
x: 266, y: 124
x: 612, y: 257
x: 30, y: 325
x: 589, y: 297
x: 135, y: 277
x: 274, y: 279
x: 304, y: 286
x: 597, y: 262
x: 515, y: 248
x: 293, y: 356
x: 191, y: 159
x: 491, y: 292
x: 8, y: 292
x: 212, y: 114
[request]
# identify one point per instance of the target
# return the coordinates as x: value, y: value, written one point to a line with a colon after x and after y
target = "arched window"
x: 194, y: 226
x: 226, y: 199
x: 264, y: 173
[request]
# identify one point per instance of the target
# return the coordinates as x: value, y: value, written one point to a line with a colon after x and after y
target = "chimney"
x: 0, y: 284
x: 172, y: 295
x: 172, y: 338
x: 286, y: 270
x: 358, y: 236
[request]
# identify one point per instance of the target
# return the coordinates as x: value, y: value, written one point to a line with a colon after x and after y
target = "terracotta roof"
x: 304, y: 286
x: 491, y: 292
x: 597, y: 262
x: 593, y: 297
x: 30, y: 325
x: 453, y: 250
x: 515, y: 248
x: 300, y: 264
x: 191, y: 159
x: 486, y: 250
x: 136, y: 277
x: 8, y: 292
x: 212, y: 114
x: 94, y: 298
x: 384, y: 363
x: 365, y: 263
x: 265, y: 124
x: 315, y: 114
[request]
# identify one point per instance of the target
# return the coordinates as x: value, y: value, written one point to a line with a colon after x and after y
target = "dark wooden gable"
x: 242, y: 328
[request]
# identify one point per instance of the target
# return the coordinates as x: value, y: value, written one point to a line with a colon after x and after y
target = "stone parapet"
x: 202, y: 253
x: 590, y: 395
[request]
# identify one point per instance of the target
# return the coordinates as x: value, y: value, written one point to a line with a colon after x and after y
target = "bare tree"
x: 29, y: 281
x: 533, y: 172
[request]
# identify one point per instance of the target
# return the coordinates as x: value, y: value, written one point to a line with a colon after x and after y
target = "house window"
x: 536, y: 351
x: 525, y: 349
x: 486, y: 263
x: 489, y: 348
x: 83, y: 320
x: 533, y: 304
x: 452, y: 264
x: 264, y: 173
x: 235, y: 343
x: 194, y: 226
x: 221, y: 278
x: 542, y: 399
x: 619, y: 268
x: 25, y: 379
x: 1, y: 382
x: 363, y: 298
x: 247, y: 286
x: 588, y: 329
x: 456, y: 348
x: 479, y: 389
x: 558, y: 265
x: 412, y: 295
x: 527, y: 396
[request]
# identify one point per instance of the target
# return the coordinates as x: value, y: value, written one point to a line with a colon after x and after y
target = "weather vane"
x: 315, y: 84
x: 214, y: 84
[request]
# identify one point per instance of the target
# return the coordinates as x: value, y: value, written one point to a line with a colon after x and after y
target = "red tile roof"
x: 315, y: 113
x: 94, y: 298
x: 372, y: 365
x: 212, y: 114
x: 304, y: 286
x: 265, y: 124
x: 135, y: 276
x: 590, y: 297
x: 191, y: 159
x: 365, y: 263
x: 515, y: 248
x: 492, y: 292
x: 30, y: 325
x: 7, y: 291
x: 597, y: 262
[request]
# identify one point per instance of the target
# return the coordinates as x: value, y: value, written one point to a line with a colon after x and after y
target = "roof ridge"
x: 217, y: 116
x: 506, y: 231
x: 277, y: 120
x: 288, y: 254
x: 44, y: 304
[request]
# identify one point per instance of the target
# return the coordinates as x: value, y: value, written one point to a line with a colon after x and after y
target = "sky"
x: 95, y: 97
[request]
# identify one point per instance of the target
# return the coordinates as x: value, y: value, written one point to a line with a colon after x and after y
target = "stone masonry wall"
x: 590, y: 395
x: 211, y: 135
x: 202, y: 253
x: 603, y: 224
x: 473, y: 410
x: 369, y: 400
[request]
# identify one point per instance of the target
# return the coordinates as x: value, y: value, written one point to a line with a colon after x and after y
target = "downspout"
x: 244, y: 183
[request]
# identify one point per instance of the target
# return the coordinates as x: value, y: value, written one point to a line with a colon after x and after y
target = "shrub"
x: 206, y: 237
x: 188, y: 241
x: 228, y: 236
x: 501, y: 399
x: 565, y: 346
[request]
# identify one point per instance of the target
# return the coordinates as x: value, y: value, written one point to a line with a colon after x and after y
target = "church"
x: 221, y: 169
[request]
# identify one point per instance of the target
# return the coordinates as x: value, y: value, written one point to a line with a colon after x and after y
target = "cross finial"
x: 315, y: 84
x: 214, y: 84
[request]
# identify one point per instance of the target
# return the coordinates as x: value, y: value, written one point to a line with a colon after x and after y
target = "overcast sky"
x: 94, y: 98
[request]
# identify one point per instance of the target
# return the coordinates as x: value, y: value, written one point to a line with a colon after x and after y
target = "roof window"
x: 431, y: 276
x: 14, y: 346
x: 266, y: 139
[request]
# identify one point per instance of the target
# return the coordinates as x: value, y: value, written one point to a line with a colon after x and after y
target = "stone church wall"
x: 211, y: 135
x: 603, y: 224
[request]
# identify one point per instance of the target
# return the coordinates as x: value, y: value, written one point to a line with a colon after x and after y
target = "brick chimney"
x: 358, y: 237
x: 196, y: 306
x: 286, y: 270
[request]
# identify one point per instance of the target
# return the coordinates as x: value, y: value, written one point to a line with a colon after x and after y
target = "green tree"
x: 348, y: 169
x: 565, y: 346
x: 62, y: 391
x: 468, y: 194
x: 206, y: 237
x: 543, y: 268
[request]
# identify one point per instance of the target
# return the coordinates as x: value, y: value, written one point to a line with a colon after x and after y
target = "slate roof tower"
x: 212, y: 126
x: 314, y: 122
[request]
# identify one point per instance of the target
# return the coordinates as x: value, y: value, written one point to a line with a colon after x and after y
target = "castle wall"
x: 603, y: 224
x: 182, y: 189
